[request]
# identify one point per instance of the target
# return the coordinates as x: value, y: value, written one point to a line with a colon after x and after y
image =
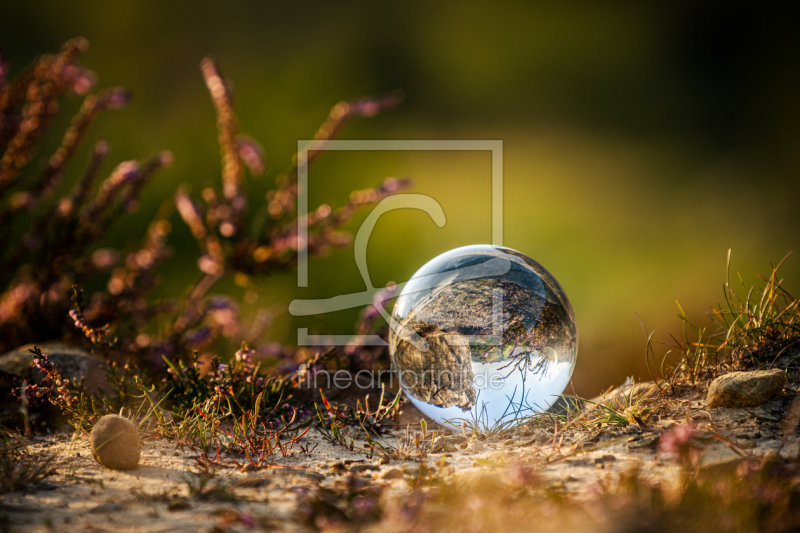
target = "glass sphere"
x: 483, y: 336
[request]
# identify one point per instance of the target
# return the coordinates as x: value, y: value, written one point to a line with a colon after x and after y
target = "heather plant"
x: 270, y: 243
x: 344, y: 424
x: 174, y: 381
x: 54, y: 242
x: 50, y: 244
x: 53, y: 245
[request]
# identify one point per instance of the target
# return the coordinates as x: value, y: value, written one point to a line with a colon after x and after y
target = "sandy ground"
x: 85, y: 496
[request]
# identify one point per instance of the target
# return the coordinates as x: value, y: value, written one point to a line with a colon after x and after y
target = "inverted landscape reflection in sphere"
x: 483, y: 335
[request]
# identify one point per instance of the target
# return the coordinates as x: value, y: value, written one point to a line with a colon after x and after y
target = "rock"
x: 17, y: 367
x: 357, y: 469
x: 115, y: 443
x: 666, y: 424
x: 720, y: 459
x: 72, y: 363
x: 392, y: 473
x: 538, y: 438
x: 338, y: 467
x: 477, y: 446
x: 745, y: 389
x: 771, y: 457
x: 296, y: 473
x: 577, y: 462
x: 444, y: 447
x: 448, y: 443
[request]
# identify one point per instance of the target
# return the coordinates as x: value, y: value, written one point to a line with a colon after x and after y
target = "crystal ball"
x: 483, y: 336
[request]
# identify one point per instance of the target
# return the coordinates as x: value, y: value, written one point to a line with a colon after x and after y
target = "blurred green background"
x: 642, y: 141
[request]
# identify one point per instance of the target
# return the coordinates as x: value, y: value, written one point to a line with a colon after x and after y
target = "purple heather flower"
x: 678, y: 443
x: 199, y: 336
x: 251, y: 152
x: 223, y: 390
x: 248, y: 519
x: 118, y: 98
x: 676, y: 440
x: 521, y: 475
x: 362, y: 505
x: 245, y: 355
x: 79, y: 79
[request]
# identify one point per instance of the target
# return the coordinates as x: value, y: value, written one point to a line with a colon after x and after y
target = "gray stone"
x: 745, y: 389
x: 72, y: 363
x: 115, y: 443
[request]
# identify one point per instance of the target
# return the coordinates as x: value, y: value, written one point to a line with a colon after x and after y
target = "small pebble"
x: 115, y: 443
x: 478, y: 446
x: 392, y: 473
x: 178, y: 505
x: 356, y: 469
